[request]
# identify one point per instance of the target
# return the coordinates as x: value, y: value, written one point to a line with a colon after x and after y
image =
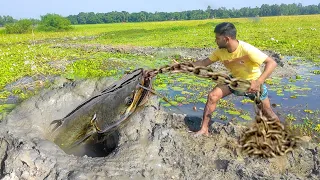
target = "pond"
x: 295, y: 99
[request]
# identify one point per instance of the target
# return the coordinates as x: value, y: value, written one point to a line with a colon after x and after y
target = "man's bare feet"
x: 202, y: 132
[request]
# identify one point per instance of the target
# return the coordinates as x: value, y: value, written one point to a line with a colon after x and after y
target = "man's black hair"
x: 226, y: 29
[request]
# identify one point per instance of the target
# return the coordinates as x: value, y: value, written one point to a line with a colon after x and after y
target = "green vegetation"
x: 54, y: 22
x: 309, y: 127
x: 19, y: 27
x: 316, y: 72
x: 4, y: 109
x: 246, y: 117
x: 254, y: 13
x: 49, y: 22
x: 6, y: 20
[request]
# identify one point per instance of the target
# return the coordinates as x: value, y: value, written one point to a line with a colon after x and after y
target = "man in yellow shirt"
x: 243, y: 61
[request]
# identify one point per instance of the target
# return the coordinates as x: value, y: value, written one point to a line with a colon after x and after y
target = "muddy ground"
x: 152, y: 145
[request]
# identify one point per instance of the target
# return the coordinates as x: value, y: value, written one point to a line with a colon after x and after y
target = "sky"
x: 19, y: 9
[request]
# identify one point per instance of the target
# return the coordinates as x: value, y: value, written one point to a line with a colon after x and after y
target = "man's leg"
x: 214, y: 96
x: 267, y: 110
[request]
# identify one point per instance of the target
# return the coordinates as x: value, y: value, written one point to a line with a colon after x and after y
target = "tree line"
x: 264, y: 10
x: 123, y: 16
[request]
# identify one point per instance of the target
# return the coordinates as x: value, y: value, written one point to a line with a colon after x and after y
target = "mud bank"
x: 152, y: 145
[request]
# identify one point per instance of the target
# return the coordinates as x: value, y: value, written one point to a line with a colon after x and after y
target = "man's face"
x: 221, y: 41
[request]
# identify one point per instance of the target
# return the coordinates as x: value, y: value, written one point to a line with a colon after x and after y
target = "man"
x: 243, y: 61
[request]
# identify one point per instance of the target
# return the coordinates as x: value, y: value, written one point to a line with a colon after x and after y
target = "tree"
x: 312, y: 9
x: 199, y: 14
x: 1, y: 21
x: 54, y: 22
x: 73, y: 19
x: 210, y: 11
x: 284, y: 9
x: 34, y: 21
x: 176, y: 16
x: 8, y: 19
x: 137, y: 17
x: 254, y: 12
x: 244, y: 12
x: 82, y: 18
x: 123, y: 16
x: 222, y: 13
x: 101, y: 18
x: 265, y: 10
x: 275, y: 10
x: 93, y: 19
x: 183, y: 15
x: 19, y: 27
x: 293, y: 9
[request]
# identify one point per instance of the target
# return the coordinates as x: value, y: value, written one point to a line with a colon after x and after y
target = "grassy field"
x: 30, y: 55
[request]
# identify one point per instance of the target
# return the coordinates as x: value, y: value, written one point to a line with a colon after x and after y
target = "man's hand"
x: 175, y: 61
x: 255, y: 86
x: 205, y: 62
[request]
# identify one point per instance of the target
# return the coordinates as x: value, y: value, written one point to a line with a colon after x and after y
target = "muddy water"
x: 296, y: 96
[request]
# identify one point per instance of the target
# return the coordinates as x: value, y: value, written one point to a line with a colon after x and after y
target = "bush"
x: 19, y: 27
x: 54, y: 22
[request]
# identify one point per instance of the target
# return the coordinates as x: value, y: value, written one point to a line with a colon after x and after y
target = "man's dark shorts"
x: 263, y: 96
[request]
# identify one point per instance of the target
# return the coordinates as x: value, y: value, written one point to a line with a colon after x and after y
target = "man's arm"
x: 270, y: 65
x: 204, y: 62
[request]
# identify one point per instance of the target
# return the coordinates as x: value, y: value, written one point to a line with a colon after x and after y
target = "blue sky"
x: 35, y: 8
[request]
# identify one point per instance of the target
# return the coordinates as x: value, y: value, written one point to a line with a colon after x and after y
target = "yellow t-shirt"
x: 243, y: 63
